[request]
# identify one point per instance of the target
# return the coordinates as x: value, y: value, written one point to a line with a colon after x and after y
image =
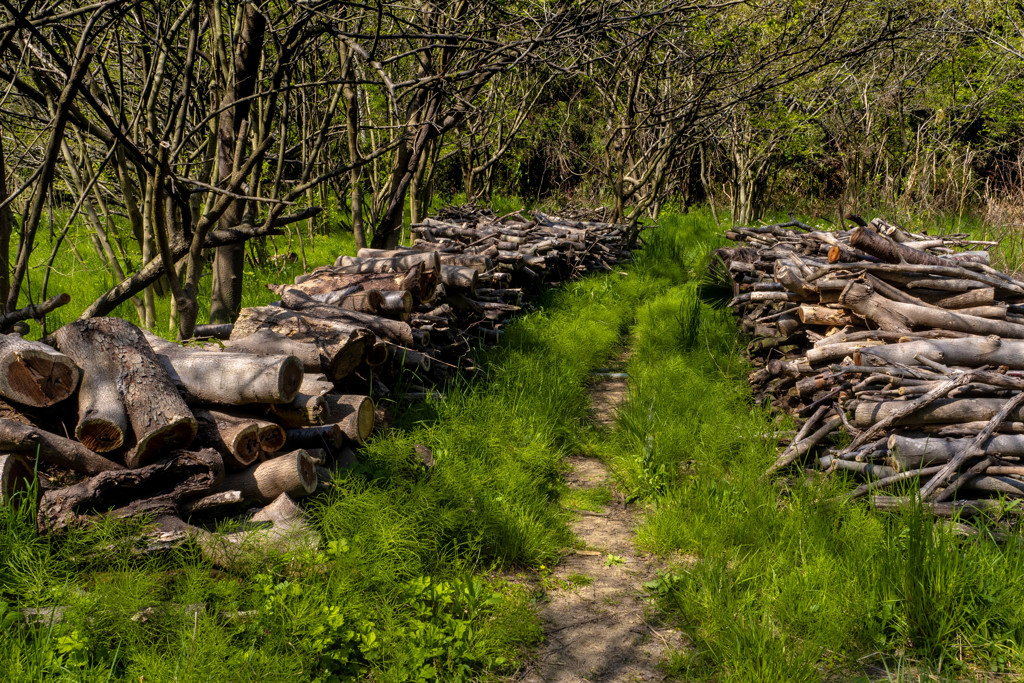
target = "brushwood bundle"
x: 899, y: 355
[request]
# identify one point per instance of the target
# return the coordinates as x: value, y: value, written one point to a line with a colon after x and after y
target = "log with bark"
x: 157, y: 488
x: 120, y: 361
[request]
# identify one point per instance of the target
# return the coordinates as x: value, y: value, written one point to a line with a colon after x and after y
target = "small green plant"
x: 614, y: 560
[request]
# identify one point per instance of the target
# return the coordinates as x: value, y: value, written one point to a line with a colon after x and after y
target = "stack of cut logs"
x: 253, y: 414
x: 910, y: 344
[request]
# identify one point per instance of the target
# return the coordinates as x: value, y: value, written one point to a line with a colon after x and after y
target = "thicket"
x: 185, y: 133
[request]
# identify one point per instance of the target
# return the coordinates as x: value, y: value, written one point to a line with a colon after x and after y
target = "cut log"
x: 420, y: 282
x: 890, y: 251
x: 17, y: 478
x: 899, y: 317
x: 271, y: 437
x: 429, y: 260
x: 353, y: 413
x: 268, y: 343
x: 24, y: 438
x: 352, y: 298
x: 304, y: 410
x: 908, y: 452
x: 459, y: 277
x: 35, y: 374
x: 393, y: 330
x: 397, y: 303
x: 155, y: 488
x: 215, y: 502
x: 316, y: 384
x: 159, y: 417
x: 341, y: 344
x: 946, y: 411
x: 971, y: 351
x: 236, y: 438
x: 219, y: 331
x: 229, y: 378
x: 293, y: 473
x: 822, y: 315
x: 284, y: 531
x: 327, y: 436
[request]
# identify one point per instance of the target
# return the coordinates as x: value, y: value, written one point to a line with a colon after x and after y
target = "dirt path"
x: 597, y: 621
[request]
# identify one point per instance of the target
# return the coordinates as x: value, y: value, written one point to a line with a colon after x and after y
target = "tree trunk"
x: 229, y: 261
x: 33, y: 373
x: 159, y: 417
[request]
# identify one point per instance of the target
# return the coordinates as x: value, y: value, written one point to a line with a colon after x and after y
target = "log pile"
x: 900, y: 356
x: 119, y: 422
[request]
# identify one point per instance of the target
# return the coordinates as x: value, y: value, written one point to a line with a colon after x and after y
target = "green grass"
x: 784, y: 582
x: 79, y: 270
x: 407, y: 584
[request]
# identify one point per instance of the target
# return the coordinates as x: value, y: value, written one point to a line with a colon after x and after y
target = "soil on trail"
x: 598, y: 622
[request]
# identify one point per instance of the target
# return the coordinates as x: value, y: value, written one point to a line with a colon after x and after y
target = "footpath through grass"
x: 781, y: 582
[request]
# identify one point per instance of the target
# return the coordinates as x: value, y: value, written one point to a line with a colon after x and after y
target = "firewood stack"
x: 122, y: 423
x: 912, y: 345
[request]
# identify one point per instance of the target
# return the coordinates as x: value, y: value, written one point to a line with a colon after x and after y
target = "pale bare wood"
x: 34, y: 374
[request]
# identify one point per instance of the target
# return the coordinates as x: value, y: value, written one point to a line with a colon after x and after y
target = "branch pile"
x: 912, y: 345
x: 124, y: 423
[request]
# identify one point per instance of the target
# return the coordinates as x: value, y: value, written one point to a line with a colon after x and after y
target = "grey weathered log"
x: 353, y: 298
x: 385, y: 328
x: 225, y: 378
x: 159, y: 487
x: 34, y: 374
x: 946, y: 411
x: 430, y: 260
x: 907, y: 452
x: 342, y: 344
x: 1005, y: 411
x: 269, y: 343
x: 303, y: 411
x: 293, y: 473
x: 159, y: 417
